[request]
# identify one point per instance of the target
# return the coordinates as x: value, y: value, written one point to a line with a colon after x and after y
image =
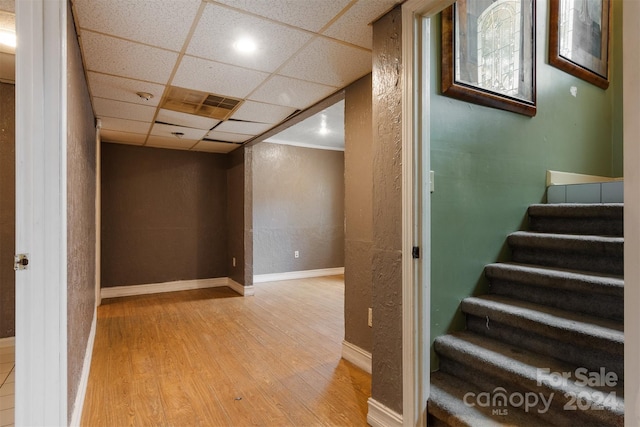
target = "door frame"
x: 41, y: 213
x: 416, y: 207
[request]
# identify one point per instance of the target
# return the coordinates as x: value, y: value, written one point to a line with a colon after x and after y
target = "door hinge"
x: 415, y: 252
x: 20, y: 262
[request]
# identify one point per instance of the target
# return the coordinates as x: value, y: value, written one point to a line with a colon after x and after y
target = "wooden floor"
x: 213, y: 358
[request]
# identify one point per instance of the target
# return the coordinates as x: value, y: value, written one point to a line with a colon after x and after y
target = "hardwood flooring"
x: 213, y: 358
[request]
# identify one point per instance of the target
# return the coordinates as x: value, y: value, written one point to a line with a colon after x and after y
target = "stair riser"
x: 576, y: 351
x: 592, y: 262
x: 586, y: 226
x: 604, y: 306
x: 488, y: 378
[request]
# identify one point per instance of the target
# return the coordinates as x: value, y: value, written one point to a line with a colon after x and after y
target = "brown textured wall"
x: 164, y: 215
x: 7, y: 209
x: 298, y: 205
x: 386, y: 386
x: 358, y: 177
x: 248, y: 216
x: 235, y: 214
x: 81, y: 225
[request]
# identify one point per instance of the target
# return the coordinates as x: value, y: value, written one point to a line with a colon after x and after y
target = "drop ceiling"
x: 305, y: 51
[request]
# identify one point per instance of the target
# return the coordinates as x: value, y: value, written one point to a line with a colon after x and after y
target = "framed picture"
x: 579, y: 39
x: 488, y: 54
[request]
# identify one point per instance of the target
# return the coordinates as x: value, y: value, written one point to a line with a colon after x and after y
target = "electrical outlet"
x: 233, y: 261
x: 296, y: 254
x: 370, y: 318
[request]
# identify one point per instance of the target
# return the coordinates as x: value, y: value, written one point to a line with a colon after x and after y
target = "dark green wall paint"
x: 490, y: 165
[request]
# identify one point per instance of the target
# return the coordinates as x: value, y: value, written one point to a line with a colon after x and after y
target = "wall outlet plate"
x: 370, y: 317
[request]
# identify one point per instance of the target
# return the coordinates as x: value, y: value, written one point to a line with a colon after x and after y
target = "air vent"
x: 203, y: 104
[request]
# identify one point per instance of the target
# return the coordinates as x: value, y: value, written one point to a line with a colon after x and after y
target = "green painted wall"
x: 490, y: 165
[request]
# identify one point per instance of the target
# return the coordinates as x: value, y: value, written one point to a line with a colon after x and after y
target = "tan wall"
x: 7, y: 209
x: 298, y: 205
x: 164, y: 215
x: 81, y: 229
x: 386, y: 385
x: 358, y: 158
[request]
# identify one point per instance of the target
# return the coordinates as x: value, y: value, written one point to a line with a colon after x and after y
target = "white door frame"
x: 41, y: 213
x: 416, y: 208
x: 631, y: 89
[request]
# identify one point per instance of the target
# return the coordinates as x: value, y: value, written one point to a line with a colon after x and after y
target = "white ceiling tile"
x: 214, y: 147
x: 174, y: 143
x: 110, y: 55
x: 247, y: 128
x: 261, y: 112
x: 291, y: 92
x: 142, y: 21
x: 220, y: 27
x: 311, y: 15
x: 214, y: 77
x: 8, y: 5
x: 329, y: 62
x: 122, y: 110
x: 192, y: 134
x: 107, y: 135
x: 228, y: 137
x: 121, y: 89
x: 184, y: 119
x: 123, y: 125
x: 353, y: 26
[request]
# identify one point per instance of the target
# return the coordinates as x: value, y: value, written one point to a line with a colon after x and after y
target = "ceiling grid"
x: 305, y: 51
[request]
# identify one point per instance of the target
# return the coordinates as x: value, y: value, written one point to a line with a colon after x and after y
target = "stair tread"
x: 559, y: 238
x: 559, y: 278
x: 577, y: 210
x: 542, y: 318
x: 446, y: 403
x: 515, y: 365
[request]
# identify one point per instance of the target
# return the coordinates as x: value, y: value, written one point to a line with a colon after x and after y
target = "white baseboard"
x: 178, y: 285
x: 241, y: 289
x: 379, y: 415
x: 356, y: 355
x: 156, y: 288
x: 8, y: 342
x: 84, y: 376
x: 305, y: 274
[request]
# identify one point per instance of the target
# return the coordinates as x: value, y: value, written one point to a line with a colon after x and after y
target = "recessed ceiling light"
x: 323, y: 126
x: 8, y: 38
x: 245, y: 45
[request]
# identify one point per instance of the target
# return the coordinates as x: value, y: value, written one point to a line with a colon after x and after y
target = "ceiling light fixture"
x: 323, y: 126
x: 8, y: 38
x: 245, y: 45
x: 145, y: 95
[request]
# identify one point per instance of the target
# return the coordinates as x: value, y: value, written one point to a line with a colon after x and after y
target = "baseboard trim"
x: 179, y: 285
x: 379, y: 415
x: 356, y: 355
x: 156, y: 288
x: 84, y: 376
x: 8, y: 342
x: 246, y: 291
x: 305, y: 274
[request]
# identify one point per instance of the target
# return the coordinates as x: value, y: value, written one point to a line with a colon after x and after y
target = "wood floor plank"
x: 209, y: 357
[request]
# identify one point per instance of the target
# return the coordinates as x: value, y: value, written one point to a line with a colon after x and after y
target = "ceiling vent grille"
x: 203, y: 104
